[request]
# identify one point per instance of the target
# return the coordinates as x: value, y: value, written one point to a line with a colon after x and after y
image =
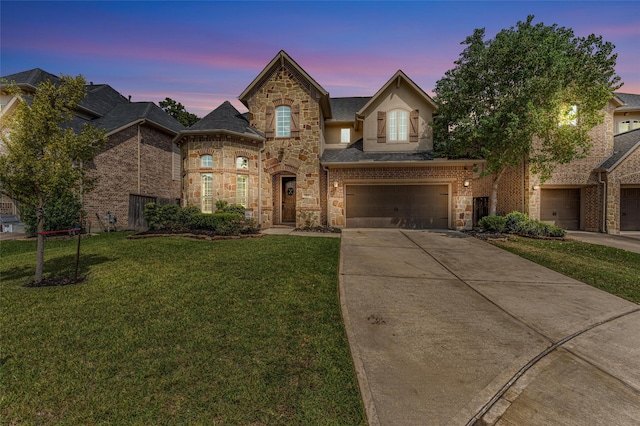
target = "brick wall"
x: 461, y: 208
x: 626, y: 174
x: 119, y: 175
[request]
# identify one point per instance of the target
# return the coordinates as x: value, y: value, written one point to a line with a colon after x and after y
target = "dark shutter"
x: 414, y: 126
x: 295, y: 121
x: 382, y: 126
x: 270, y: 125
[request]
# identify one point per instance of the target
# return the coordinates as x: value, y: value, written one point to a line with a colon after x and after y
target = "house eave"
x: 250, y: 136
x: 417, y: 163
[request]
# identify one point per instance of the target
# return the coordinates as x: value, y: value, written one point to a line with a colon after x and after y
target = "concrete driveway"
x: 445, y: 329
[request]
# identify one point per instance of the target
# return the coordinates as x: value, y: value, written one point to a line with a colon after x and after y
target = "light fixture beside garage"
x: 335, y: 183
x: 466, y: 183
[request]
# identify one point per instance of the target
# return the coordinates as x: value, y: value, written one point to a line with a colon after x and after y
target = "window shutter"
x: 295, y: 121
x: 270, y: 126
x: 382, y: 126
x: 414, y: 123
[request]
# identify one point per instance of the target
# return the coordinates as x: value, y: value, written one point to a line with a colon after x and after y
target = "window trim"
x: 202, y: 164
x: 242, y: 198
x: 283, y: 115
x: 206, y: 201
x: 397, y: 130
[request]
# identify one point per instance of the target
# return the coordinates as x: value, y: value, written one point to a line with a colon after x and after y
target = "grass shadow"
x: 62, y: 266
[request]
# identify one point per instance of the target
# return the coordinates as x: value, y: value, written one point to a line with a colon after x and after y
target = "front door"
x: 288, y: 199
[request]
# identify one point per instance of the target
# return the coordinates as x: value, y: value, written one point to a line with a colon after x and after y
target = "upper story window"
x: 206, y: 161
x: 242, y: 163
x: 283, y: 121
x: 569, y: 115
x: 345, y: 135
x: 625, y: 126
x: 397, y: 125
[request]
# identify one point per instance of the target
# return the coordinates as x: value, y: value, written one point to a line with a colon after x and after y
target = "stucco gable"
x: 398, y: 79
x: 283, y: 61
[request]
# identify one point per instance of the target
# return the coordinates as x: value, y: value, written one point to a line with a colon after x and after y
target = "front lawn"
x: 176, y: 331
x: 613, y: 270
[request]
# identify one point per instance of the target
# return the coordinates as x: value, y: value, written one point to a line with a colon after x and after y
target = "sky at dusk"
x: 203, y: 53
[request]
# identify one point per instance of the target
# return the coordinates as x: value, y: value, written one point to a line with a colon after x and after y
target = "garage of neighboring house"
x: 561, y: 207
x: 630, y: 209
x: 414, y: 206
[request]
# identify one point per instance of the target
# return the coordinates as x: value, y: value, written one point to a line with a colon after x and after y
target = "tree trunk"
x: 493, y: 205
x: 40, y: 248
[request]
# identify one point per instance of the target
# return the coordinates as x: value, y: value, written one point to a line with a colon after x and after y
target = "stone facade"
x: 626, y: 175
x: 298, y: 155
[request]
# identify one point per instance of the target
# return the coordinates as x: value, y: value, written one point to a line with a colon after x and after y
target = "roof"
x: 29, y: 79
x: 101, y: 98
x: 397, y: 77
x: 280, y: 61
x: 631, y: 101
x: 354, y: 153
x: 126, y: 114
x: 623, y: 145
x: 226, y: 119
x: 345, y: 109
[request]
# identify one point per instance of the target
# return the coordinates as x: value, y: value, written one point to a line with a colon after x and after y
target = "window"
x: 242, y: 163
x: 569, y: 115
x: 345, y: 135
x: 625, y: 126
x: 283, y: 121
x: 241, y: 190
x: 206, y: 161
x: 398, y: 122
x: 207, y: 193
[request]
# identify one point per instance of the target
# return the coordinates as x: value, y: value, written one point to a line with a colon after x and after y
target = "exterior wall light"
x: 466, y: 183
x: 536, y: 187
x: 335, y: 183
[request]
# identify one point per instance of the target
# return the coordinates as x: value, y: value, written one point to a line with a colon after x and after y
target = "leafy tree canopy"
x: 178, y: 111
x: 533, y: 92
x: 42, y: 157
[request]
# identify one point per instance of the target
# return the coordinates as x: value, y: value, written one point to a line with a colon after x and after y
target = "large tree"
x: 531, y: 94
x: 179, y: 112
x: 42, y: 155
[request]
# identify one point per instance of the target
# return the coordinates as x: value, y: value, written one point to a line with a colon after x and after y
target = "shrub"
x: 170, y: 216
x: 63, y: 212
x: 223, y: 206
x: 492, y: 223
x: 186, y: 214
x: 152, y: 214
x: 220, y: 223
x: 515, y: 221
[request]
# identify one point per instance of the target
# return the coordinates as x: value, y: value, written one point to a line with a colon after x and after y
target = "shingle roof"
x: 101, y: 98
x: 354, y: 153
x: 631, y: 100
x: 128, y: 113
x: 344, y: 109
x: 623, y: 145
x: 225, y: 118
x: 30, y: 78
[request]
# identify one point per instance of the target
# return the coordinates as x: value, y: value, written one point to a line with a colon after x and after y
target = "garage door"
x: 397, y: 206
x: 561, y: 207
x: 630, y: 209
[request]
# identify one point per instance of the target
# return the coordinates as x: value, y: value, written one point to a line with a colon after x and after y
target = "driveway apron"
x: 445, y: 329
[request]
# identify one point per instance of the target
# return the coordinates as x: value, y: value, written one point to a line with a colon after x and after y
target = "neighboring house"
x: 139, y: 162
x: 627, y: 116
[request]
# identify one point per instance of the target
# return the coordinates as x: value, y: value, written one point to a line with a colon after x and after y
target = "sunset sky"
x: 203, y: 53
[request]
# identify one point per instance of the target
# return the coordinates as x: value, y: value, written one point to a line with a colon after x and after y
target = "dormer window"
x: 283, y: 122
x: 625, y: 126
x: 397, y: 125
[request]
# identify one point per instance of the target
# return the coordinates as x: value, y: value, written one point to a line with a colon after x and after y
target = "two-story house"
x: 139, y: 163
x: 299, y: 157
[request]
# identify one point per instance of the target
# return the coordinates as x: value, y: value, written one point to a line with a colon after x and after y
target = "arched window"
x: 283, y: 122
x: 207, y: 193
x: 242, y: 163
x: 398, y: 125
x: 206, y: 161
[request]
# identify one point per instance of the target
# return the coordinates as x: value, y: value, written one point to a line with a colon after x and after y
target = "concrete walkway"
x: 445, y: 329
x: 629, y: 241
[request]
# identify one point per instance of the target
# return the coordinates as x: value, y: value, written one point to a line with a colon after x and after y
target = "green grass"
x: 176, y: 331
x: 613, y: 270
